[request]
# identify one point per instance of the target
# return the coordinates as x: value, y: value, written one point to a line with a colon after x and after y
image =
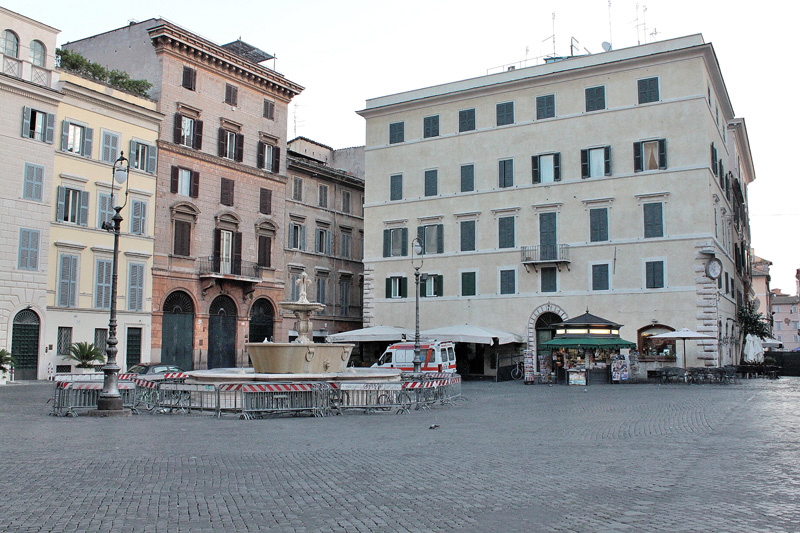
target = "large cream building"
x: 614, y: 182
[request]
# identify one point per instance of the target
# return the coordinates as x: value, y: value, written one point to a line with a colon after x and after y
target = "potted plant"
x: 86, y: 354
x: 7, y: 362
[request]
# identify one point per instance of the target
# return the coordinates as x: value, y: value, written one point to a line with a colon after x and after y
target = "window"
x: 10, y: 44
x: 265, y: 201
x: 395, y: 242
x: 598, y: 224
x: 227, y: 249
x: 505, y: 113
x: 28, y: 249
x: 264, y: 258
x: 322, y: 196
x: 600, y: 277
x: 189, y: 80
x: 546, y: 168
x: 469, y: 286
x: 650, y: 155
x: 466, y: 120
x: 508, y: 282
x: 105, y: 211
x: 110, y: 150
x: 322, y: 285
x: 648, y: 90
x: 297, y: 189
x: 102, y: 284
x: 347, y: 238
x: 143, y: 156
x: 230, y: 145
x: 138, y: 217
x: 231, y: 94
x: 294, y: 288
x: 67, y: 280
x: 506, y: 173
x: 396, y: 287
x: 467, y: 178
x: 188, y: 131
x: 322, y: 241
x: 714, y: 167
x: 269, y: 109
x: 183, y: 238
x: 268, y: 157
x: 545, y: 106
x: 653, y: 220
x: 64, y: 340
x: 38, y: 125
x: 346, y: 202
x: 297, y: 236
x: 396, y: 133
x: 76, y: 138
x: 136, y: 286
x: 345, y: 288
x: 430, y: 126
x: 34, y: 182
x: 548, y: 236
x: 595, y: 98
x: 432, y: 238
x: 226, y: 191
x: 185, y: 182
x: 505, y: 232
x: 101, y: 339
x: 549, y: 279
x: 133, y: 347
x: 596, y: 162
x: 396, y: 187
x: 73, y: 206
x: 431, y: 182
x: 654, y: 274
x: 467, y: 235
x: 431, y: 286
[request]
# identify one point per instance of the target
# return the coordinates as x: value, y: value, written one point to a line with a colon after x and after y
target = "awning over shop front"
x: 588, y: 342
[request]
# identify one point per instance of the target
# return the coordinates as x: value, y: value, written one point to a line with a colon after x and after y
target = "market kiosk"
x: 588, y: 350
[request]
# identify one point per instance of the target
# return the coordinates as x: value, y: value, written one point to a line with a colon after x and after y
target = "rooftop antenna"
x: 654, y: 34
x: 636, y: 25
x: 644, y: 23
x: 610, y: 39
x: 554, y: 34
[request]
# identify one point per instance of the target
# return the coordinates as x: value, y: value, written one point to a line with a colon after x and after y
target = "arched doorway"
x: 262, y: 317
x: 177, y: 330
x: 25, y: 344
x: 545, y: 331
x: 222, y: 333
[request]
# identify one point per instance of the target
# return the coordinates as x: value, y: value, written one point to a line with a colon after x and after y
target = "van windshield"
x: 385, y: 358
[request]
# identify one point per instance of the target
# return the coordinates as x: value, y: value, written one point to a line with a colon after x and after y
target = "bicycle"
x: 518, y: 372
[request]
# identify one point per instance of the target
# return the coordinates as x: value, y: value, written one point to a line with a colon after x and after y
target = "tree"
x: 85, y: 354
x: 751, y: 322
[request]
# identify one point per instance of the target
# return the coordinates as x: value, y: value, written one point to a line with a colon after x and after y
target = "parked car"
x: 153, y: 370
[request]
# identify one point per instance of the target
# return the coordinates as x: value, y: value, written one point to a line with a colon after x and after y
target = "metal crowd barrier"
x: 260, y: 399
x: 369, y: 397
x: 81, y: 391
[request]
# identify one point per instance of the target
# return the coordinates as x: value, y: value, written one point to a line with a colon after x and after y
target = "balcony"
x: 235, y: 269
x: 544, y: 254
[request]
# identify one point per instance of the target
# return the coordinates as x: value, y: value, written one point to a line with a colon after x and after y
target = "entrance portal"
x: 177, y: 330
x: 222, y: 333
x: 25, y: 344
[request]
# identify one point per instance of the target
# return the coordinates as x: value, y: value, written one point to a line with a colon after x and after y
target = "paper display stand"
x: 620, y: 366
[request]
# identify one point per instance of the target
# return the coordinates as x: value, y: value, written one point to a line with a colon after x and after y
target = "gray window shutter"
x: 132, y: 152
x: 404, y: 241
x: 26, y: 122
x: 440, y: 239
x: 637, y: 157
x: 535, y: 169
x: 50, y: 129
x: 387, y: 243
x: 506, y: 232
x: 83, y: 218
x: 662, y: 154
x: 421, y: 237
x: 548, y: 236
x: 136, y: 287
x: 468, y: 236
x: 88, y: 142
x: 139, y: 218
x: 584, y: 164
x: 557, y: 166
x: 302, y: 237
x: 64, y: 134
x: 68, y: 281
x: 61, y: 193
x: 607, y: 156
x: 152, y: 158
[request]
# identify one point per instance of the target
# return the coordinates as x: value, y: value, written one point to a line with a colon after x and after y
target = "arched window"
x: 38, y: 53
x: 10, y: 44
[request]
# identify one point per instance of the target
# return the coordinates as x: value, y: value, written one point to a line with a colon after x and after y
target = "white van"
x: 436, y: 356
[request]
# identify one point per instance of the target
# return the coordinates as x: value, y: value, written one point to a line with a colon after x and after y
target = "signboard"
x: 620, y: 368
x: 577, y: 377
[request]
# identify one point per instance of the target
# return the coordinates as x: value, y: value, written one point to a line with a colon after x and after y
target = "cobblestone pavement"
x: 512, y: 458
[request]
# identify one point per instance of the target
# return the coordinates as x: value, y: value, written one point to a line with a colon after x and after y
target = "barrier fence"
x: 257, y: 400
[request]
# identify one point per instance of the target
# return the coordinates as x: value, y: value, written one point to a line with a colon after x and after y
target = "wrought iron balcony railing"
x: 215, y: 266
x: 546, y: 253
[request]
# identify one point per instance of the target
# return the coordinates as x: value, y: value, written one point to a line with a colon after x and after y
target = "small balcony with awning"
x: 543, y: 254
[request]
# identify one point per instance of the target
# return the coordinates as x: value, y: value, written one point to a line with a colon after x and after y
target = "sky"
x: 346, y: 51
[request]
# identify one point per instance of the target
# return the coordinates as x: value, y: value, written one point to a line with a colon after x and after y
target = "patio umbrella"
x: 683, y: 333
x: 373, y: 334
x: 753, y: 350
x: 470, y: 333
x: 769, y: 342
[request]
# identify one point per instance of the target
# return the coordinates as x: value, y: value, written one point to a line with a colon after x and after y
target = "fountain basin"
x: 219, y: 376
x: 298, y: 358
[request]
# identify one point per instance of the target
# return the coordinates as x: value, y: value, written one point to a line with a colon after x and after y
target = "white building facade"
x: 613, y: 182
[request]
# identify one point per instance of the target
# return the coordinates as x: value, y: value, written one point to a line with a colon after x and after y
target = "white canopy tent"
x: 372, y: 334
x: 470, y: 333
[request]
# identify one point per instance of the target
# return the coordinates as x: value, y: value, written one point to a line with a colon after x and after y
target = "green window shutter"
x: 653, y: 221
x: 584, y: 164
x: 506, y: 232
x: 557, y: 166
x: 607, y: 160
x: 387, y: 243
x: 468, y: 284
x: 403, y: 287
x: 440, y: 238
x: 536, y: 176
x: 404, y: 241
x: 388, y: 287
x: 662, y: 154
x: 467, y: 178
x: 421, y: 237
x: 438, y: 285
x: 599, y: 277
x: 637, y: 157
x: 547, y: 236
x: 431, y: 182
x: 467, y: 235
x: 598, y: 221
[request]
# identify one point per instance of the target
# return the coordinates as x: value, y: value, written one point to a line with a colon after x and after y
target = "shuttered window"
x: 189, y: 78
x: 396, y: 187
x: 549, y: 279
x: 110, y: 147
x: 548, y: 236
x: 654, y: 274
x: 396, y: 132
x: 467, y: 178
x: 396, y: 287
x: 226, y: 191
x: 432, y: 286
x: 596, y: 162
x: 346, y: 202
x: 183, y: 238
x: 138, y: 217
x: 322, y: 196
x: 395, y: 242
x: 598, y: 224
x: 467, y: 235
x: 545, y: 106
x: 508, y: 282
x: 466, y: 120
x: 650, y: 155
x: 595, y: 98
x: 231, y: 94
x: 136, y: 286
x: 431, y: 238
x: 431, y: 182
x: 269, y: 109
x: 600, y: 277
x: 505, y: 232
x: 38, y: 125
x: 102, y: 285
x: 430, y: 126
x: 653, y: 220
x: 297, y: 236
x: 648, y: 90
x: 67, y: 280
x: 265, y: 202
x: 28, y: 258
x: 506, y: 173
x: 72, y: 205
x: 264, y: 251
x: 468, y: 284
x: 34, y: 182
x: 546, y: 168
x: 505, y: 113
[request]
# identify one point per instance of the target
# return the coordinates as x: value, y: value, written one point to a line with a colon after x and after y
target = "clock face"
x: 714, y: 268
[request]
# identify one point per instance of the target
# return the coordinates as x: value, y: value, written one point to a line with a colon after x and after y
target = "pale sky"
x: 346, y: 51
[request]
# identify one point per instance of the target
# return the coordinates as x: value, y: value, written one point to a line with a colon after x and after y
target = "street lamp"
x: 110, y: 400
x: 416, y: 249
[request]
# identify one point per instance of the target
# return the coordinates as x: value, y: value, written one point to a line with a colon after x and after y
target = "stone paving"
x: 512, y: 458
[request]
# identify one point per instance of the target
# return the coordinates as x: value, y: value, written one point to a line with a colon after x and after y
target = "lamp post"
x: 110, y: 401
x: 416, y: 249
